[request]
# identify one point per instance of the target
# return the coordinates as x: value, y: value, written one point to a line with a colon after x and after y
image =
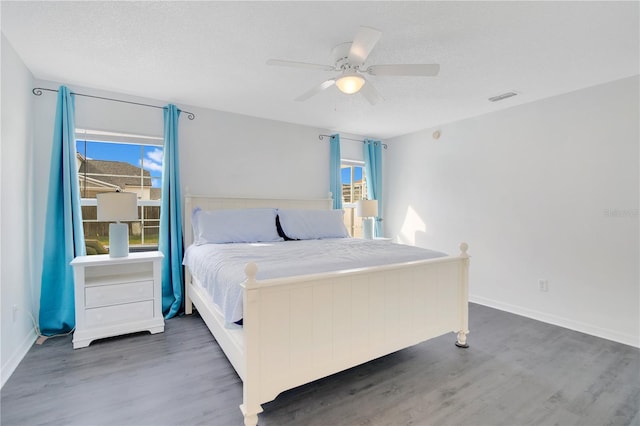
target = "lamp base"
x: 118, y: 240
x: 367, y: 228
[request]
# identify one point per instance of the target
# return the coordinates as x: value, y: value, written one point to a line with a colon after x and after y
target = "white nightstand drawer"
x: 105, y: 295
x: 97, y: 317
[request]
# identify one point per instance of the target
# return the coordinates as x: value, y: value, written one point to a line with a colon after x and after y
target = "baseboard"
x: 12, y: 363
x: 582, y: 327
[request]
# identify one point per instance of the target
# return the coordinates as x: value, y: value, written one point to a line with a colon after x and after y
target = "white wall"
x: 351, y: 149
x: 16, y: 337
x: 546, y: 190
x: 230, y: 154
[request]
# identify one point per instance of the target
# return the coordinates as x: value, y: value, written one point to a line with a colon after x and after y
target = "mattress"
x: 220, y: 267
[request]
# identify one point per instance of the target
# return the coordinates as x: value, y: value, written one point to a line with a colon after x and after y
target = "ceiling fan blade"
x: 364, y: 42
x: 295, y: 64
x: 370, y: 92
x: 427, y: 70
x: 319, y: 88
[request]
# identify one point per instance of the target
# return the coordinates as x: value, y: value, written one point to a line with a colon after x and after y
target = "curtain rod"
x: 38, y: 91
x: 321, y: 137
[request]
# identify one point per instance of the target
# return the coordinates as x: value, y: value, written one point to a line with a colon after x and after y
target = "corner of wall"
x: 16, y: 185
x: 10, y: 365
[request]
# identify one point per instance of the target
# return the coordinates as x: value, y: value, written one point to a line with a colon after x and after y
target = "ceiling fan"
x: 349, y: 59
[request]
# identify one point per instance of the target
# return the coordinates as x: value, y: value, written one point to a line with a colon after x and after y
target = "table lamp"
x: 114, y: 207
x: 367, y: 210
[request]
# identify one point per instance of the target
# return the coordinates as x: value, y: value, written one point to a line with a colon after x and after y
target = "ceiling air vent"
x: 503, y: 96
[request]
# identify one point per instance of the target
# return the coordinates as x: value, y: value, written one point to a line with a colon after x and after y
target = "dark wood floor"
x: 517, y: 372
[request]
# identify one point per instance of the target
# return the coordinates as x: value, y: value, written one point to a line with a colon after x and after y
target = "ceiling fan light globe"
x: 350, y: 83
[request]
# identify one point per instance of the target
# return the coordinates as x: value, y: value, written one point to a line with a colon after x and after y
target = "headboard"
x: 217, y: 203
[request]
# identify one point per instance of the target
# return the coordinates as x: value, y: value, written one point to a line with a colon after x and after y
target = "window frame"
x: 353, y: 227
x: 99, y: 136
x: 352, y: 163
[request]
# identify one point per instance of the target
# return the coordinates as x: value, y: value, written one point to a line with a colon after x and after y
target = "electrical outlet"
x: 543, y: 285
x: 14, y: 313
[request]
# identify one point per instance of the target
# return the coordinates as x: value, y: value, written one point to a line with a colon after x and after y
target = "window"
x: 354, y: 188
x: 110, y: 161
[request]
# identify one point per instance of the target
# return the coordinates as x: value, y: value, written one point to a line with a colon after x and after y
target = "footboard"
x: 300, y: 329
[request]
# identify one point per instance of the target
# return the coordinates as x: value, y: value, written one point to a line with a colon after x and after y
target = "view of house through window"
x: 354, y: 188
x: 107, y: 166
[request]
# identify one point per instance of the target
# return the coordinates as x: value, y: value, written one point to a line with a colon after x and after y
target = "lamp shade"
x: 117, y: 206
x: 367, y: 208
x: 350, y: 83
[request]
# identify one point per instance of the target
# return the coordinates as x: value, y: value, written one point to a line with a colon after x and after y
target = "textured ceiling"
x: 213, y: 54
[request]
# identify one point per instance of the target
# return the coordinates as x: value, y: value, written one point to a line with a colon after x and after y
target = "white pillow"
x: 234, y: 226
x: 312, y: 224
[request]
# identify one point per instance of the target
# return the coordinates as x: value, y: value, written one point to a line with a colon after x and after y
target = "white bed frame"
x: 299, y: 329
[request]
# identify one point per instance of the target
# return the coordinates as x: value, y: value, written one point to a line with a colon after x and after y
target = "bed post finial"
x: 251, y: 270
x: 463, y: 249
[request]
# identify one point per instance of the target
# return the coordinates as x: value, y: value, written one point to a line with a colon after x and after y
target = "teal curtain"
x: 335, y: 181
x: 373, y: 170
x: 63, y: 233
x: 170, y: 238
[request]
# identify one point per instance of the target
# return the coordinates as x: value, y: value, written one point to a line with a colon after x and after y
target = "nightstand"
x: 117, y: 295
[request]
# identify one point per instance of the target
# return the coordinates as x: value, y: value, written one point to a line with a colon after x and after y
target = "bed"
x: 297, y: 329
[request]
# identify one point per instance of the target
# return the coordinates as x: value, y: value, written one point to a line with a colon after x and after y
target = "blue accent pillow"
x: 312, y: 224
x: 234, y: 226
